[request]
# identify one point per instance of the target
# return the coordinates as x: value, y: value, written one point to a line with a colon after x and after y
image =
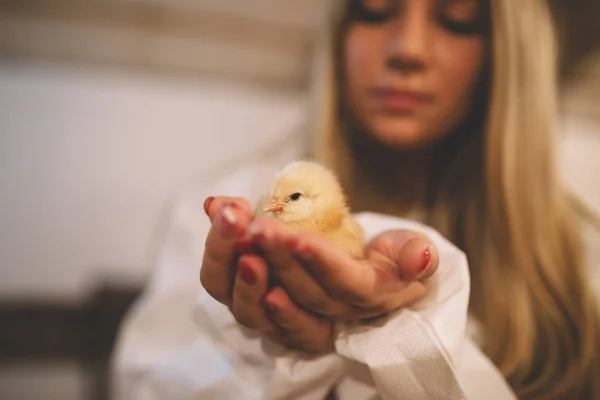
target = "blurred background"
x: 109, y: 109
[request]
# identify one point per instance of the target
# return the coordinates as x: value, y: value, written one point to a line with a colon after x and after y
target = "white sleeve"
x: 167, y: 347
x: 177, y: 342
x: 419, y: 353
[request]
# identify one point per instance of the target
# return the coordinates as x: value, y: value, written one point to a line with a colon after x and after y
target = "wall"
x: 89, y: 158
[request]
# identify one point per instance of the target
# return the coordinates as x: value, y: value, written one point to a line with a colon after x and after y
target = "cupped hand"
x: 323, y: 279
x: 235, y: 277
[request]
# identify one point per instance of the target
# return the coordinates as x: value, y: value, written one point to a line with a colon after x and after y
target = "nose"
x: 409, y: 44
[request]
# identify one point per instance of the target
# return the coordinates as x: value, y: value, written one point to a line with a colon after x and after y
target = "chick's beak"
x: 273, y: 206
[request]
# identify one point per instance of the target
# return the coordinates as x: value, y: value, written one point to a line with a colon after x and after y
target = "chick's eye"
x: 295, y: 196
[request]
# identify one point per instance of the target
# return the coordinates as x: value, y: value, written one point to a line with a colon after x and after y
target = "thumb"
x: 417, y: 258
x: 413, y: 253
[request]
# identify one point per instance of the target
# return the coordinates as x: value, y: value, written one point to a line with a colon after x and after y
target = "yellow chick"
x: 307, y: 196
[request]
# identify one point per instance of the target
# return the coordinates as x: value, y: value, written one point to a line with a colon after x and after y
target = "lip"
x: 400, y: 100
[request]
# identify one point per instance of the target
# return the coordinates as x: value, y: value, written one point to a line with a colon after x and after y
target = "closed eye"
x: 463, y: 17
x: 371, y: 11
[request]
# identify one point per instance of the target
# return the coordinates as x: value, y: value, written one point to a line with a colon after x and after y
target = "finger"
x: 415, y: 255
x: 272, y: 238
x: 413, y: 292
x: 343, y: 277
x: 216, y: 274
x: 251, y: 285
x: 418, y: 259
x: 212, y: 205
x: 303, y: 330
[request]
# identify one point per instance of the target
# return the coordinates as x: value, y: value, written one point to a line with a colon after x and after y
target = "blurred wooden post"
x: 84, y: 333
x: 262, y: 41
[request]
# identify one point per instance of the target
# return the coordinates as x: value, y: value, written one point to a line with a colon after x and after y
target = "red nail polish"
x: 426, y: 260
x: 244, y: 247
x: 207, y: 203
x: 272, y: 307
x: 293, y: 243
x: 247, y: 274
x: 304, y: 252
x: 233, y: 204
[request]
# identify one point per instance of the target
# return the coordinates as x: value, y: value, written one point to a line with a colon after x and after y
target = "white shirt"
x: 178, y: 343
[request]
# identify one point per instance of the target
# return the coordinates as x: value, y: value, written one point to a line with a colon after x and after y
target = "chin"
x: 399, y: 133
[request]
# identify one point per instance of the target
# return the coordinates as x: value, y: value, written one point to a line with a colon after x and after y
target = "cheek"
x: 361, y: 63
x: 459, y: 69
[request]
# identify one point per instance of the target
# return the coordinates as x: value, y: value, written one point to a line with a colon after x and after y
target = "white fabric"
x: 179, y: 344
x: 416, y: 353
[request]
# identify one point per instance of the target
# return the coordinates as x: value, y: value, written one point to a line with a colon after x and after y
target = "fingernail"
x: 426, y: 261
x: 244, y: 247
x: 293, y: 243
x: 207, y: 203
x: 272, y: 307
x: 232, y: 204
x: 247, y: 274
x: 229, y: 215
x: 227, y: 222
x: 303, y: 251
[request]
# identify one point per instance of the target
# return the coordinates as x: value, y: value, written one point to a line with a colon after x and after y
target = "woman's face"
x: 411, y: 66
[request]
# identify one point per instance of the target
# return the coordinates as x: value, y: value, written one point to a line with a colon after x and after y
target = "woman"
x: 442, y: 111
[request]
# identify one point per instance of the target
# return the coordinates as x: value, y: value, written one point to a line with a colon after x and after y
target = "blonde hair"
x: 514, y: 220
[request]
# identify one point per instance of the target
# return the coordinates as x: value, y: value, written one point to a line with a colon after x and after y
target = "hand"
x: 323, y: 279
x: 242, y: 282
